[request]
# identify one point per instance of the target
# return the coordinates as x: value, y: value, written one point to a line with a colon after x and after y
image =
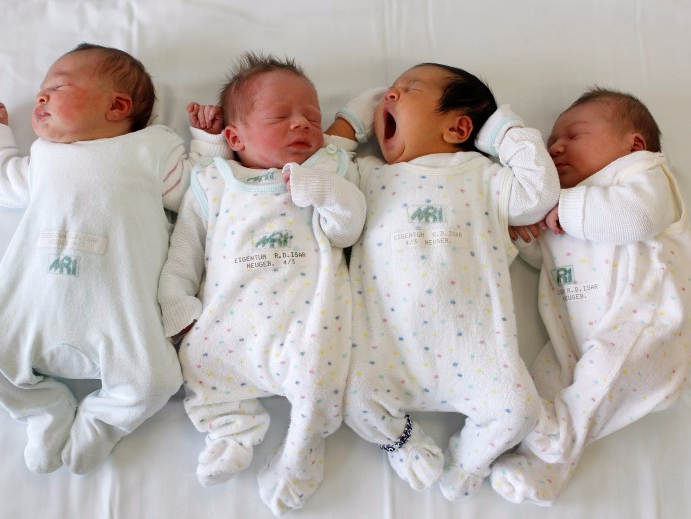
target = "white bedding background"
x: 537, y: 55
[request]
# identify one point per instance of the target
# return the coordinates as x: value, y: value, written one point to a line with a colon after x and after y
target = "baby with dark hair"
x: 433, y: 319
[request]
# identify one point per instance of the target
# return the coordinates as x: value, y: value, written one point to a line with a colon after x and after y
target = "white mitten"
x: 359, y: 112
x: 492, y: 132
x: 309, y: 186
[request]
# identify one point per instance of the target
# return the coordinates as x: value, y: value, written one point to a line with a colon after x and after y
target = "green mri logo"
x: 274, y: 240
x: 426, y: 214
x: 64, y: 265
x: 563, y: 275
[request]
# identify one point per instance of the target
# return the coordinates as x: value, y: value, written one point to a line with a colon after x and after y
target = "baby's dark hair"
x: 235, y: 99
x: 130, y: 76
x: 629, y: 113
x: 471, y: 95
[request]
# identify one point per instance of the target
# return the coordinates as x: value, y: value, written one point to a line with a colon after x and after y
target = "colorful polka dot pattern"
x: 433, y: 321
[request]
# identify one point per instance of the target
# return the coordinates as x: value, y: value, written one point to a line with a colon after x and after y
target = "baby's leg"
x: 618, y: 380
x: 491, y: 428
x: 233, y: 429
x: 525, y: 477
x: 414, y: 456
x: 296, y: 468
x: 132, y: 390
x: 614, y: 384
x: 47, y: 406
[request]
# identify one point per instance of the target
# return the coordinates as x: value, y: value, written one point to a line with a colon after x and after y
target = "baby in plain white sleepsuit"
x: 86, y: 258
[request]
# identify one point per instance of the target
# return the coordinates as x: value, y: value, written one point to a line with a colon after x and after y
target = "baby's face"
x: 283, y: 124
x: 74, y: 101
x: 584, y: 140
x: 406, y: 122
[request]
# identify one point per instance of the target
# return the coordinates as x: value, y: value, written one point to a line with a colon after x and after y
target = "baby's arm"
x: 638, y: 208
x: 534, y: 188
x: 14, y: 170
x: 206, y: 126
x: 530, y: 252
x: 355, y: 121
x: 339, y: 202
x: 183, y: 271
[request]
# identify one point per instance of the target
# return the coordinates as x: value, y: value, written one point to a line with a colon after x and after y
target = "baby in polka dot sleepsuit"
x: 256, y: 264
x: 614, y: 292
x: 433, y: 321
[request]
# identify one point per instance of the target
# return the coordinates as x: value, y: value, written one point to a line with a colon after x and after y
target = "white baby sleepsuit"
x: 81, y: 300
x: 614, y: 297
x: 272, y: 315
x: 433, y: 321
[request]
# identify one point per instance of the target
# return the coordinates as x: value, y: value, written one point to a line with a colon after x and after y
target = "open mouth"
x: 389, y: 125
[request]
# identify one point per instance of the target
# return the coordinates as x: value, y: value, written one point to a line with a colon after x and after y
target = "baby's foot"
x: 46, y: 437
x: 284, y: 488
x: 417, y: 460
x: 82, y: 455
x: 520, y: 477
x: 42, y: 459
x: 457, y: 482
x: 547, y: 447
x: 221, y: 459
x: 546, y: 440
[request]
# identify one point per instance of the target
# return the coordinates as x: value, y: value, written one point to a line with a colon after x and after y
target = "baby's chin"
x: 393, y: 154
x: 298, y: 156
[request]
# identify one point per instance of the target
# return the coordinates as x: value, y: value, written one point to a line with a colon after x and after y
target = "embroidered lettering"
x: 427, y: 214
x: 275, y: 240
x: 65, y: 265
x: 270, y: 175
x: 563, y: 275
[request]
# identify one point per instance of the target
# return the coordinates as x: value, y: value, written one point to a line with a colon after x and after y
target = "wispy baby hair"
x: 235, y: 97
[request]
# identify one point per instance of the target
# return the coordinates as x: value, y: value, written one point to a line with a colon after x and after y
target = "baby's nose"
x: 391, y: 94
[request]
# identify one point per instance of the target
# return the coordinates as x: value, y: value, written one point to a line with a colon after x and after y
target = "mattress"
x: 537, y: 56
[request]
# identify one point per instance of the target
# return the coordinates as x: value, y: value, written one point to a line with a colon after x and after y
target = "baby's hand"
x: 206, y: 117
x: 359, y: 114
x: 177, y: 338
x: 525, y: 231
x: 552, y: 221
x: 4, y: 118
x: 286, y: 177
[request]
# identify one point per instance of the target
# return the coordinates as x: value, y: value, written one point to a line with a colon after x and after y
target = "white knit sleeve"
x: 339, y: 202
x: 178, y: 165
x: 183, y: 271
x: 639, y: 208
x: 14, y: 172
x: 535, y: 184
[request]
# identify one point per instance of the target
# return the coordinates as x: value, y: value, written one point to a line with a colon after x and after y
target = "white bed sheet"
x: 537, y: 56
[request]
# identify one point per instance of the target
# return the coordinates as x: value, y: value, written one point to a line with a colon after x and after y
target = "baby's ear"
x: 638, y: 142
x: 459, y: 129
x: 120, y: 107
x: 233, y: 139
